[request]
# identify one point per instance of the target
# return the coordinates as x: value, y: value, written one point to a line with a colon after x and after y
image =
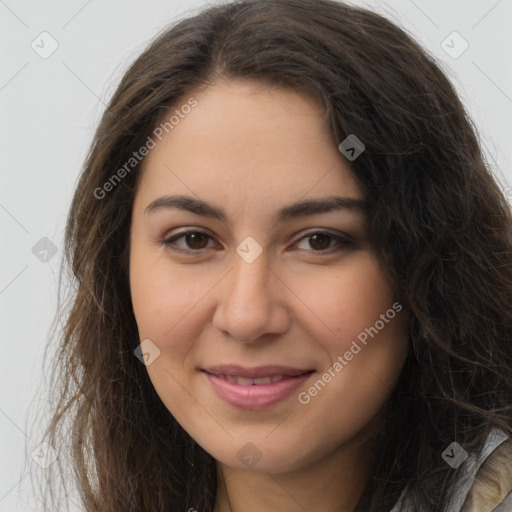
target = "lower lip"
x: 255, y: 397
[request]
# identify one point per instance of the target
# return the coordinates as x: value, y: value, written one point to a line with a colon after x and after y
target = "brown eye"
x: 322, y: 242
x: 194, y: 241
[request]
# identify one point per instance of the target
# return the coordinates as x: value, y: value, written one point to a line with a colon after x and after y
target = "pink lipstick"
x: 255, y: 388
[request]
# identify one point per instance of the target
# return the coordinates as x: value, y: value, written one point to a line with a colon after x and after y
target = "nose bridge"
x: 250, y: 285
x: 249, y: 306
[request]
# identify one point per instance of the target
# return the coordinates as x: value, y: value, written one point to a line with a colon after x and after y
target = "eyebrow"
x: 294, y: 210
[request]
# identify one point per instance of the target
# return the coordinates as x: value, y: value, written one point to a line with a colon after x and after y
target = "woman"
x: 293, y: 276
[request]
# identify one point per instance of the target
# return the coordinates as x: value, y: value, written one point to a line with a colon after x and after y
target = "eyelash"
x: 171, y: 242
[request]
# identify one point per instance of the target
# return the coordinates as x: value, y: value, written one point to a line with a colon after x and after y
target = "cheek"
x: 349, y: 301
x: 164, y: 298
x: 165, y: 304
x: 366, y: 339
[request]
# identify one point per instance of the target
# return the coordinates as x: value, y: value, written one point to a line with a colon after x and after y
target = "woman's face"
x: 265, y: 286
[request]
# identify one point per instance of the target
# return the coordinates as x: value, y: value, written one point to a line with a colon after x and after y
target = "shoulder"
x: 493, y: 482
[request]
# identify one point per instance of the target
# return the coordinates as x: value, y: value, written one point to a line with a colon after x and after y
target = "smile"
x: 244, y: 381
x: 254, y: 389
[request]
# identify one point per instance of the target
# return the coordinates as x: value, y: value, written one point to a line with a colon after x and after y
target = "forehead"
x: 251, y: 142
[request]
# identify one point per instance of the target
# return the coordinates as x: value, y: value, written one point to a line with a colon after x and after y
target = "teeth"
x: 262, y: 380
x: 243, y: 381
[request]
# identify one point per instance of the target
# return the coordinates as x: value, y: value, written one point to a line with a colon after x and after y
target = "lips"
x: 255, y: 388
x: 231, y: 370
x: 244, y: 381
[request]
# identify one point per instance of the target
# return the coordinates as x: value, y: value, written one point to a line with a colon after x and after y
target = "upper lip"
x: 257, y: 371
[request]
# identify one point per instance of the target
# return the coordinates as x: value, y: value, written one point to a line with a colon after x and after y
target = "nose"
x: 251, y: 302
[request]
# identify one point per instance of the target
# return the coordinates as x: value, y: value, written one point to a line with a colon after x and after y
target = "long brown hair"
x: 439, y: 222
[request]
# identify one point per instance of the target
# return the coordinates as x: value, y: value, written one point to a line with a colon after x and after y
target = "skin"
x: 252, y: 149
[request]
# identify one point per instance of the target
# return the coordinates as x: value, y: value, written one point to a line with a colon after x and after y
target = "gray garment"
x: 472, y: 464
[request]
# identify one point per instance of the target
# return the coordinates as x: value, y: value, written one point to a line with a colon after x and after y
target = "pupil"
x: 315, y: 238
x: 192, y: 239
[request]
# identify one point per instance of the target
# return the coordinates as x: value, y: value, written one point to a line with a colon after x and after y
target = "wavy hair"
x: 439, y: 222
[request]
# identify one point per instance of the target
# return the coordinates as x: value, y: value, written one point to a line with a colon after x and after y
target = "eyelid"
x: 169, y: 241
x: 342, y: 240
x: 323, y: 231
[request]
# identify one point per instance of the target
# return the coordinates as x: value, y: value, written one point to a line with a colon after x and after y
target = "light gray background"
x: 49, y: 110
